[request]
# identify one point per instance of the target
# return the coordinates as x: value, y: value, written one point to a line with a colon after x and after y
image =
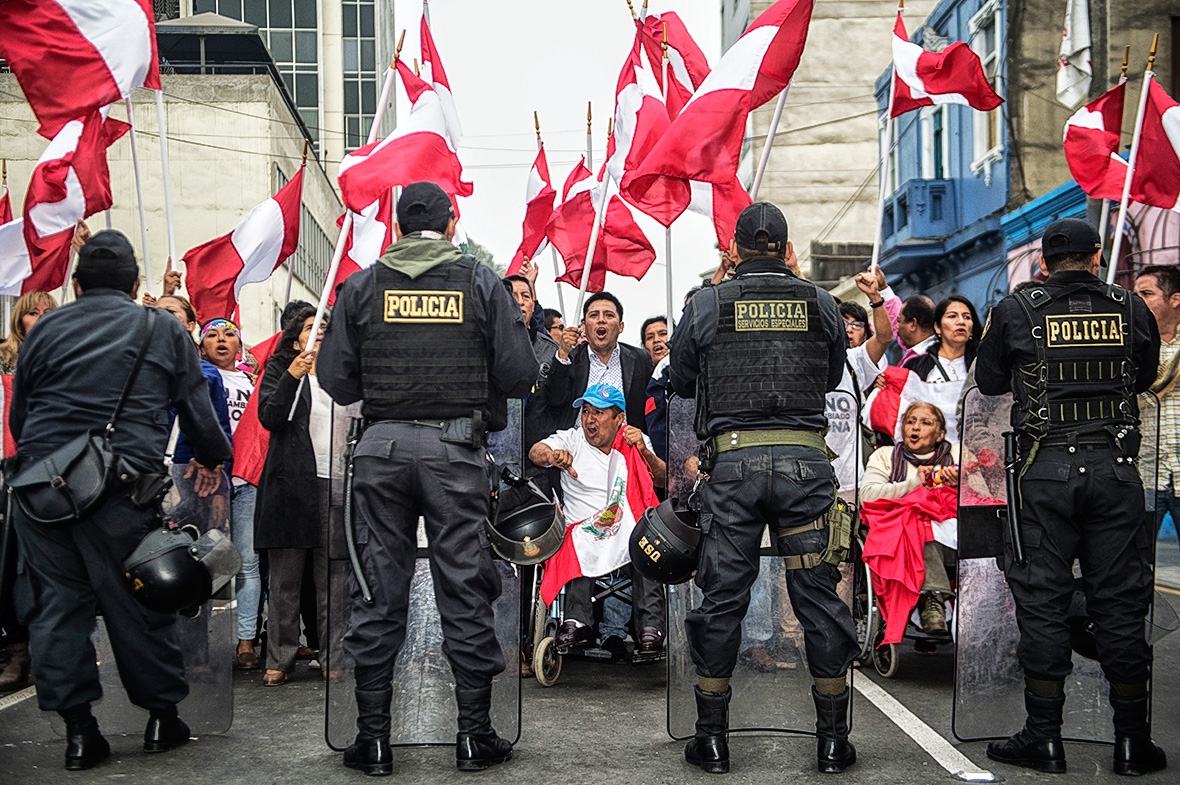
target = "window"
x: 888, y: 156
x: 360, y: 70
x: 987, y: 41
x: 935, y: 142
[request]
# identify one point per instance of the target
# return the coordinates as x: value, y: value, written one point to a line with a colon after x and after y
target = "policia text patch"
x: 1100, y: 329
x: 424, y: 306
x: 770, y: 315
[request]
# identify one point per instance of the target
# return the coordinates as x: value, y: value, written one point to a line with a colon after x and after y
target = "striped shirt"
x: 1169, y: 420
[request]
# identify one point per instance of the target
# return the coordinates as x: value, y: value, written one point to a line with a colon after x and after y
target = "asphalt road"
x: 599, y: 724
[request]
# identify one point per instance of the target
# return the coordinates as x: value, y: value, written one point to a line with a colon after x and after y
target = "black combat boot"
x: 1134, y: 751
x: 833, y: 751
x: 370, y: 753
x: 709, y: 748
x: 476, y: 745
x: 85, y: 746
x: 1038, y: 745
x: 165, y: 731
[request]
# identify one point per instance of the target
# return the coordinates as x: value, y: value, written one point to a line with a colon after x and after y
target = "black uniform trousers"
x: 76, y: 572
x: 748, y: 489
x: 403, y: 471
x: 1086, y: 505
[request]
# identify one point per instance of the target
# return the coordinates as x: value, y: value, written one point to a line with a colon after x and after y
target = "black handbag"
x: 71, y: 481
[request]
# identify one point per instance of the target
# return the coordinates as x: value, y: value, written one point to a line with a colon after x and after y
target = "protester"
x: 25, y: 313
x: 1159, y: 286
x: 182, y: 309
x: 654, y: 335
x: 291, y: 512
x: 554, y: 324
x: 958, y: 330
x: 915, y: 326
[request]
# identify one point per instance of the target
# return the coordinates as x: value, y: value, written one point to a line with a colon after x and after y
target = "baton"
x: 1011, y: 461
x: 354, y: 435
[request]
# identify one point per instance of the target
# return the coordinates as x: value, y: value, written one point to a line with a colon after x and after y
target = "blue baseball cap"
x: 602, y: 396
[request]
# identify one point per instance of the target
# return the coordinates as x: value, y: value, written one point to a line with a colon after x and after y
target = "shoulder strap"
x: 946, y: 377
x: 149, y: 328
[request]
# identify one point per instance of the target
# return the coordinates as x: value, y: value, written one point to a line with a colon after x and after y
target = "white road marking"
x: 11, y: 700
x: 945, y: 755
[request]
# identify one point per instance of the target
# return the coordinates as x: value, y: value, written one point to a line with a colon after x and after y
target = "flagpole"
x: 668, y: 228
x: 426, y: 11
x: 1104, y: 217
x: 552, y: 250
x: 883, y: 173
x: 589, y: 141
x: 346, y: 226
x: 594, y: 232
x: 7, y: 299
x: 162, y: 123
x: 143, y: 238
x: 778, y: 114
x: 1116, y: 247
x: 290, y: 269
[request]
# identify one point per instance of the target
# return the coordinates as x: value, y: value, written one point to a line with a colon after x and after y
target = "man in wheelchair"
x: 597, y: 499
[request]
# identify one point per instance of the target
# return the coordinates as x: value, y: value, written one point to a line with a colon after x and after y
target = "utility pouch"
x: 67, y: 484
x: 707, y: 455
x: 841, y: 521
x: 458, y: 431
x: 146, y: 490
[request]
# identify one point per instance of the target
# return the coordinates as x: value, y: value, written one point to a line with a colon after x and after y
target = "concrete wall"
x: 226, y: 136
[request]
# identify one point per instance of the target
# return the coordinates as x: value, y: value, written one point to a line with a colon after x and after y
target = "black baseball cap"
x: 424, y: 206
x: 107, y: 261
x: 1070, y: 235
x: 761, y: 218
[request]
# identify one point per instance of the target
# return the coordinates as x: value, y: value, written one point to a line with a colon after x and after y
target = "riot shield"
x: 771, y: 683
x: 207, y: 639
x: 423, y: 709
x: 989, y: 683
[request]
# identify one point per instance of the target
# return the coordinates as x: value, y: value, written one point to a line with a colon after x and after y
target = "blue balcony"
x: 920, y: 210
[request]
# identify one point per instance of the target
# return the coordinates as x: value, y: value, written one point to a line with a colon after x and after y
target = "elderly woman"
x: 924, y: 458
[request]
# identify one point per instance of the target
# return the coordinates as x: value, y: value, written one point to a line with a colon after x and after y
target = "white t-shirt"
x: 319, y: 425
x: 589, y: 492
x: 843, y: 436
x: 238, y: 390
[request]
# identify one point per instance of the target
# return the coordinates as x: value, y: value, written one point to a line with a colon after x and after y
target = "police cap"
x: 1070, y: 235
x: 107, y: 261
x: 424, y: 206
x: 761, y: 218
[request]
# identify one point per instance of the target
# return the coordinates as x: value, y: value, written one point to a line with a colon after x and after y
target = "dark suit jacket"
x: 568, y: 382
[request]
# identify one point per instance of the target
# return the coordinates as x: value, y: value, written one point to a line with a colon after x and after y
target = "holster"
x: 707, y: 455
x: 469, y: 431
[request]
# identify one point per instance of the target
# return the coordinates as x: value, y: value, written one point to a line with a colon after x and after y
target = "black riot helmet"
x: 164, y: 572
x: 526, y: 526
x: 666, y: 543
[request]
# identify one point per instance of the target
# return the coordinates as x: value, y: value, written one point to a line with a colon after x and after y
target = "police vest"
x: 1084, y: 375
x: 423, y: 356
x: 770, y: 353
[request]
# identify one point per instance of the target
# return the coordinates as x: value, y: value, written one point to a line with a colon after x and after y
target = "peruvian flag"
x: 371, y: 233
x: 72, y: 57
x: 539, y: 197
x: 418, y: 149
x: 5, y: 205
x: 1156, y: 181
x: 433, y: 74
x: 599, y: 544
x: 621, y: 248
x: 1092, y: 145
x: 687, y: 64
x: 952, y: 76
x: 14, y: 256
x: 218, y: 269
x: 70, y: 182
x: 884, y: 408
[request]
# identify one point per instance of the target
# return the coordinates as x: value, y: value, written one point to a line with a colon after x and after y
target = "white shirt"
x: 319, y: 426
x: 589, y: 492
x: 238, y: 390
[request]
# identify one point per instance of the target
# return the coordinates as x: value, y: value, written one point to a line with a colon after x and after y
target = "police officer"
x: 1074, y: 352
x: 72, y: 370
x: 759, y: 352
x: 433, y: 345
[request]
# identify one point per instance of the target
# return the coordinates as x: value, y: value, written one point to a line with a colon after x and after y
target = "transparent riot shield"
x: 207, y: 640
x: 989, y: 683
x: 423, y: 710
x: 771, y: 682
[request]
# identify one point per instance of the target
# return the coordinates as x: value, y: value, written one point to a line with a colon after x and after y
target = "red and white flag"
x: 1156, y: 180
x: 218, y: 269
x: 952, y: 76
x: 371, y: 233
x: 539, y: 197
x: 70, y: 182
x: 72, y: 57
x: 1074, y: 71
x: 5, y: 205
x: 418, y: 149
x: 622, y: 248
x: 884, y: 408
x: 687, y: 64
x: 599, y: 544
x: 14, y: 255
x: 433, y: 74
x: 1092, y: 145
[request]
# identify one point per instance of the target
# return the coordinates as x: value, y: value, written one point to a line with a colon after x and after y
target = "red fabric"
x: 1092, y: 152
x: 1156, y: 181
x: 5, y: 207
x: 621, y: 247
x: 349, y: 263
x: 956, y: 69
x: 898, y: 532
x: 680, y: 46
x: 536, y: 214
x: 62, y: 73
x: 887, y: 405
x: 251, y: 440
x: 9, y: 442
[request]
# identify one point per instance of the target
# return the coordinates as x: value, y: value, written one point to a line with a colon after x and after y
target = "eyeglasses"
x: 854, y: 325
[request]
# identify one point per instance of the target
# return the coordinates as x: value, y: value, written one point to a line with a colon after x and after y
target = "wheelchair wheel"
x: 885, y: 660
x: 547, y: 662
x: 865, y: 615
x: 538, y: 629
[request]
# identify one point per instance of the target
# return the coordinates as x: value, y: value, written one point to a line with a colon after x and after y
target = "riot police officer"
x: 432, y: 344
x: 759, y: 352
x: 1074, y: 352
x: 72, y: 370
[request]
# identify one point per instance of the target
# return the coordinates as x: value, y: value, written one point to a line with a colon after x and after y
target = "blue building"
x: 949, y: 171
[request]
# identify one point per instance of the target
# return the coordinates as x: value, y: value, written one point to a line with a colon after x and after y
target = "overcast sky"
x: 505, y: 60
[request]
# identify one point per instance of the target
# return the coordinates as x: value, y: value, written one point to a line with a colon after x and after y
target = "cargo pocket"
x: 375, y: 447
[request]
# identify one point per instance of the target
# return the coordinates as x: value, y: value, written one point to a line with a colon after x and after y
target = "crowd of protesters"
x: 279, y: 479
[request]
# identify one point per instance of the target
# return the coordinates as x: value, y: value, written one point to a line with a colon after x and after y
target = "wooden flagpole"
x: 143, y: 238
x: 883, y: 173
x: 1104, y: 218
x: 162, y: 124
x: 552, y: 250
x: 346, y: 226
x: 668, y: 228
x: 594, y: 231
x: 290, y: 269
x: 589, y: 141
x: 1116, y: 246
